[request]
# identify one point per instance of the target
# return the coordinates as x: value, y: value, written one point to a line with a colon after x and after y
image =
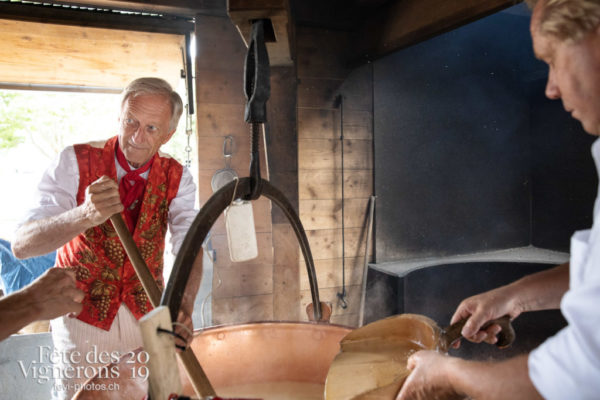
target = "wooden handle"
x: 196, y: 374
x: 506, y: 337
x: 139, y: 265
x: 193, y: 368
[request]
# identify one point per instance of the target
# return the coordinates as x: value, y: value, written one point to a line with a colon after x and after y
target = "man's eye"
x: 152, y: 128
x: 129, y: 121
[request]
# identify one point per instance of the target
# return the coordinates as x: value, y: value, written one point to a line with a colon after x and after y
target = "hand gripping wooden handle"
x: 505, y: 338
x: 187, y: 357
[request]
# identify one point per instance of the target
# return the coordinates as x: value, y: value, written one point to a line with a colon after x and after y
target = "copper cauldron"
x: 247, y: 355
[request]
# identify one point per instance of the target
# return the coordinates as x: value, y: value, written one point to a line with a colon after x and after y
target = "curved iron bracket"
x: 218, y: 202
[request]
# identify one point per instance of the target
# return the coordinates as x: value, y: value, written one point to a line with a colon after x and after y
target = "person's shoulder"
x: 168, y: 157
x: 162, y: 154
x: 98, y: 144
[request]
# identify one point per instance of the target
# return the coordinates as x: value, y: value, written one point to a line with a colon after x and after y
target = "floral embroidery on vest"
x: 102, y: 267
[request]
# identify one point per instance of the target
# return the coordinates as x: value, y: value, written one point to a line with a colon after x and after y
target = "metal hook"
x: 228, y: 150
x: 257, y: 85
x: 257, y: 88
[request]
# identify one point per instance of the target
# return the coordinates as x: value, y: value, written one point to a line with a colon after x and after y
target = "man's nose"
x: 139, y: 135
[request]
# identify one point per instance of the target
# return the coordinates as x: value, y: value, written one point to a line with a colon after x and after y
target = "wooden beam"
x: 50, y: 54
x: 96, y: 19
x: 243, y: 12
x: 405, y: 22
x: 172, y: 7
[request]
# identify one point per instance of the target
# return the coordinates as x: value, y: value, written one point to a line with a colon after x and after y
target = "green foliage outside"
x: 52, y: 120
x: 12, y: 121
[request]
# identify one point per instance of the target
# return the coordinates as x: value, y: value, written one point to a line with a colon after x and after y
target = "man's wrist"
x: 452, y: 368
x: 24, y: 310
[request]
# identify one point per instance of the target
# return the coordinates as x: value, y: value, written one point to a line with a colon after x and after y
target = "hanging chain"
x: 188, y: 132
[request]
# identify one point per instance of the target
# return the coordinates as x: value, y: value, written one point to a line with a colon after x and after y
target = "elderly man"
x: 77, y: 196
x: 566, y: 35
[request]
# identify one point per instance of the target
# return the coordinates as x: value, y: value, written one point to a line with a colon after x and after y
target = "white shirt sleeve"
x: 57, y: 193
x: 57, y: 190
x: 182, y: 210
x: 567, y: 366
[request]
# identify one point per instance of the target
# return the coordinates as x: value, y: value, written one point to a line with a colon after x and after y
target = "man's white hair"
x: 156, y: 86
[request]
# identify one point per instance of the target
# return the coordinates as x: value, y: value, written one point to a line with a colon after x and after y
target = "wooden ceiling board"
x: 405, y: 22
x: 49, y: 54
x: 96, y: 18
x: 172, y: 7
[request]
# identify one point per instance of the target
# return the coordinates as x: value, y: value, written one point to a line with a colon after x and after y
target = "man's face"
x: 574, y: 74
x: 144, y: 127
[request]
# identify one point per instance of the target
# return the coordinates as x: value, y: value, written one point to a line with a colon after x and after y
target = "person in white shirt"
x: 566, y: 35
x: 78, y: 194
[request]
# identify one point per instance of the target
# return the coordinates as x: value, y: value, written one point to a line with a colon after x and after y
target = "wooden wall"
x: 322, y: 77
x: 304, y: 161
x: 242, y: 292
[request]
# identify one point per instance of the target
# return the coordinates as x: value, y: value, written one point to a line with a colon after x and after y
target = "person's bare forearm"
x: 53, y: 294
x: 45, y: 235
x: 39, y: 237
x: 492, y: 380
x: 16, y: 311
x: 543, y: 290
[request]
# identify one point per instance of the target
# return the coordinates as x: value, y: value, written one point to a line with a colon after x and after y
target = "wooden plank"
x: 219, y: 86
x: 350, y: 320
x: 313, y: 184
x: 326, y: 154
x: 210, y: 154
x: 314, y: 123
x: 318, y: 93
x: 281, y: 139
x: 221, y: 46
x: 358, y: 154
x: 357, y: 90
x: 329, y: 272
x: 286, y: 286
x: 282, y: 100
x: 325, y: 124
x: 242, y: 279
x: 329, y: 296
x: 265, y: 250
x: 322, y: 53
x: 327, y: 214
x: 48, y: 54
x: 403, y: 23
x: 327, y: 243
x: 319, y: 154
x: 243, y: 12
x: 98, y: 18
x: 220, y: 120
x: 238, y: 310
x: 358, y: 124
x: 175, y: 7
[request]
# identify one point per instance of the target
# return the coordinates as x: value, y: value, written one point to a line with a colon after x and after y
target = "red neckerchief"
x: 132, y: 193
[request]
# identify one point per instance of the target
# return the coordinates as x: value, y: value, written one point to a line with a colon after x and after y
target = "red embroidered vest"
x: 102, y: 267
